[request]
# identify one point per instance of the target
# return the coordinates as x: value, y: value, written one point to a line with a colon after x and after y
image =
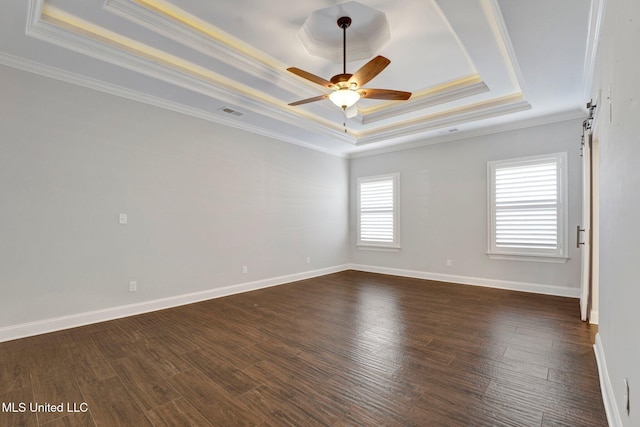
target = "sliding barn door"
x: 583, y: 231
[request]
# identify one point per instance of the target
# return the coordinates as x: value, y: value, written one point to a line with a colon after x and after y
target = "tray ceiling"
x: 473, y: 66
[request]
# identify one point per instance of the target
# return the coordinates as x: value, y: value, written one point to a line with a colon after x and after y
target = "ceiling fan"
x: 348, y: 88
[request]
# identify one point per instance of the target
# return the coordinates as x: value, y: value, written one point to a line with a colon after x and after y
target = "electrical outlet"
x: 245, y: 270
x: 449, y: 263
x: 122, y: 219
x: 308, y: 260
x: 133, y: 286
x: 627, y: 397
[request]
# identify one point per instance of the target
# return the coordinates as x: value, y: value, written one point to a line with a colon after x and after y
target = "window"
x: 378, y: 212
x: 528, y: 208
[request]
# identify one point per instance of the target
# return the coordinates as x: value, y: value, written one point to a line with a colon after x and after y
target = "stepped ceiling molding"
x: 474, y: 67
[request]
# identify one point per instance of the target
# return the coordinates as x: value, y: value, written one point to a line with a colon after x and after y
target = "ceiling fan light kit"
x: 348, y: 88
x: 344, y: 98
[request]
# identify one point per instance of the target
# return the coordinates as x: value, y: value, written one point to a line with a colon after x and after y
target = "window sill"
x: 555, y: 259
x: 378, y: 248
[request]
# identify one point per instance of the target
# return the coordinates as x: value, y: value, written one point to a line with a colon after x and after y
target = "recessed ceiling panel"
x: 196, y: 57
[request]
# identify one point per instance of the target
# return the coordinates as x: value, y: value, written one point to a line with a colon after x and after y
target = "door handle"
x: 578, y: 242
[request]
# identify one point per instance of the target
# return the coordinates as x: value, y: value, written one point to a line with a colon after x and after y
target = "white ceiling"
x: 474, y: 66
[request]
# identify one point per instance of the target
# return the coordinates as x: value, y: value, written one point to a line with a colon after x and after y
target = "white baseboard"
x: 608, y: 398
x: 23, y: 330
x: 475, y: 281
x: 593, y: 317
x: 13, y: 332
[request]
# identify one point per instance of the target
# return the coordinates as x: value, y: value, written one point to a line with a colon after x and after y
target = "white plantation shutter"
x: 527, y: 210
x: 377, y: 211
x: 527, y: 206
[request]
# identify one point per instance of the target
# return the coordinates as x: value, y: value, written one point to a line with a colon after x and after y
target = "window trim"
x: 388, y: 247
x: 559, y: 255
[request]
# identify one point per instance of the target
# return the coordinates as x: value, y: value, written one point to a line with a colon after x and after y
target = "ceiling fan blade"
x: 310, y: 77
x: 369, y: 70
x: 306, y: 101
x: 392, y: 95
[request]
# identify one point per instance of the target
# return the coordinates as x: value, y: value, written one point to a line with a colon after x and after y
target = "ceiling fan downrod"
x: 344, y: 23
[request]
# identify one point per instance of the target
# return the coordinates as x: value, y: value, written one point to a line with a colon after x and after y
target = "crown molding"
x: 75, y: 34
x: 54, y: 26
x: 190, y: 31
x: 505, y: 40
x: 596, y: 18
x: 83, y: 81
x: 119, y: 91
x: 185, y: 29
x: 478, y: 111
x: 440, y: 94
x: 210, y: 41
x: 469, y: 86
x: 34, y: 11
x: 489, y: 130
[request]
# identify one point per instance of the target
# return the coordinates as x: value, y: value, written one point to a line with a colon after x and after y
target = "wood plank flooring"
x: 347, y: 349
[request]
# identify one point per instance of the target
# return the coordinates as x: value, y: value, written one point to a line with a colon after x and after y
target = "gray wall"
x: 618, y: 81
x: 443, y: 206
x: 202, y: 200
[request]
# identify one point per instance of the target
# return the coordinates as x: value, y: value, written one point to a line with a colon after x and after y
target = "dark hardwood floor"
x: 347, y: 349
